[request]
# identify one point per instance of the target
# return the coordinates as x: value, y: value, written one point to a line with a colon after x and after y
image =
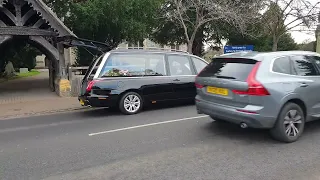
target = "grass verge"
x: 33, y: 72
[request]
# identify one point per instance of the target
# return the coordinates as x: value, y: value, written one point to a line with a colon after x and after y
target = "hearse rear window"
x: 134, y: 65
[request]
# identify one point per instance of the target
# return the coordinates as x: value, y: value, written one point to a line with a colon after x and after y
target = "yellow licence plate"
x: 81, y: 102
x: 216, y: 90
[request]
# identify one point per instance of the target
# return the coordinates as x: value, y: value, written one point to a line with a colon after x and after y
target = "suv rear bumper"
x: 92, y: 101
x: 231, y: 114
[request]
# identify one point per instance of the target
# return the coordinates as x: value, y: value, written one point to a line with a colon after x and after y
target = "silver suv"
x: 277, y: 91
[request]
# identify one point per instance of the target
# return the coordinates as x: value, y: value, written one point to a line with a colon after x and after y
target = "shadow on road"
x: 312, y: 128
x: 231, y: 131
x: 98, y: 112
x: 234, y: 132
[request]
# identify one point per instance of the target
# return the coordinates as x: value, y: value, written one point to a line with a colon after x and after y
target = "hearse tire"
x: 131, y: 103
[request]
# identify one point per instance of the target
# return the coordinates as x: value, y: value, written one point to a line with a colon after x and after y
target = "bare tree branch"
x: 191, y: 15
x: 286, y: 15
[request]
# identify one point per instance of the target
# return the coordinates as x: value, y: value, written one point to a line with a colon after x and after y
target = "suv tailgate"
x: 222, y: 76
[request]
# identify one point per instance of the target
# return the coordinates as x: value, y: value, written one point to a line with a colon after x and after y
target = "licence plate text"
x: 216, y: 90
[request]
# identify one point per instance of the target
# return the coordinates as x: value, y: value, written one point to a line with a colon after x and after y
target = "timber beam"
x: 26, y: 31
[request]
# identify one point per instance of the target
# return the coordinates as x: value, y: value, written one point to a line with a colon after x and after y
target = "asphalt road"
x: 168, y: 143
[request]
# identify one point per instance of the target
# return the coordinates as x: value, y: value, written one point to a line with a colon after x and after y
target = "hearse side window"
x: 134, y: 65
x: 93, y: 67
x: 179, y: 65
x: 198, y: 64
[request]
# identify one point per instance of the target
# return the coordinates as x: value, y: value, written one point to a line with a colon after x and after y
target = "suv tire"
x: 290, y: 124
x: 131, y: 103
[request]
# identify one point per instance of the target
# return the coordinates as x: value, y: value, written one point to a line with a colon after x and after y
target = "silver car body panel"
x: 260, y: 111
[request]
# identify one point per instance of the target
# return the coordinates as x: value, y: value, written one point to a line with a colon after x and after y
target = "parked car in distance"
x: 129, y: 79
x: 277, y: 91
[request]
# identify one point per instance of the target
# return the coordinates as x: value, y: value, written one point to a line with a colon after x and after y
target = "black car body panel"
x: 107, y: 91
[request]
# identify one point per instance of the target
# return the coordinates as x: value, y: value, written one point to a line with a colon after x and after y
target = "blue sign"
x: 233, y: 49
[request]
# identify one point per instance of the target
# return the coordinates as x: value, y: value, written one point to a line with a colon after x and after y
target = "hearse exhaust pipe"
x: 243, y: 125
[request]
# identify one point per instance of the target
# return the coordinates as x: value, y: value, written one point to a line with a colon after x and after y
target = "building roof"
x: 48, y: 15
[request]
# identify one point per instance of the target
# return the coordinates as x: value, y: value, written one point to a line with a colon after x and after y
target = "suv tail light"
x: 199, y: 86
x: 90, y: 85
x: 255, y: 87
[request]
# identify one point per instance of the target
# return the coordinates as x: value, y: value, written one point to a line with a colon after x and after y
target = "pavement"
x: 159, y: 143
x: 31, y: 96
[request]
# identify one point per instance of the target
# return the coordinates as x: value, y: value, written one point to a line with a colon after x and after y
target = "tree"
x: 192, y: 15
x: 20, y: 53
x: 169, y: 34
x: 283, y: 16
x: 60, y: 7
x: 262, y: 42
x: 112, y: 21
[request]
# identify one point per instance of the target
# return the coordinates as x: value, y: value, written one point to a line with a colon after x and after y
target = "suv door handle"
x: 304, y: 85
x: 176, y: 80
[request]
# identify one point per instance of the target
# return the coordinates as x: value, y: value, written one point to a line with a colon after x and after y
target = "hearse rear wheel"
x: 131, y: 103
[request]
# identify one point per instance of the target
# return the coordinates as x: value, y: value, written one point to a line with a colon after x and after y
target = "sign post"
x: 233, y: 49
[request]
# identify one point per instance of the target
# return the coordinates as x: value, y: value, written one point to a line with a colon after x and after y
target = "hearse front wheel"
x: 131, y: 103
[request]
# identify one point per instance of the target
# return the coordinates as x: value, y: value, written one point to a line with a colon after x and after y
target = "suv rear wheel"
x: 290, y: 124
x: 131, y: 103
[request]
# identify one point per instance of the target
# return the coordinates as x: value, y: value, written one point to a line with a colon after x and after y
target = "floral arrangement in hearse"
x: 118, y: 72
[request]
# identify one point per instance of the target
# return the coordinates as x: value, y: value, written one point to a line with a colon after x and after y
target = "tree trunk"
x: 190, y: 45
x: 197, y: 48
x: 191, y: 41
x: 275, y: 43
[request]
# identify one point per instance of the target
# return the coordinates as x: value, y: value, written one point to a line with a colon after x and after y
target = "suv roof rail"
x: 153, y: 48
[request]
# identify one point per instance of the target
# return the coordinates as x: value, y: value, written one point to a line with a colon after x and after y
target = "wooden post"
x: 63, y: 86
x: 62, y: 70
x: 318, y: 36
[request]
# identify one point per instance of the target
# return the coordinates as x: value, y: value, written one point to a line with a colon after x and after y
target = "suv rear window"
x: 235, y: 68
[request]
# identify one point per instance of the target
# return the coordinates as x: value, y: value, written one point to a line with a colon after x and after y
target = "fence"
x: 76, y: 75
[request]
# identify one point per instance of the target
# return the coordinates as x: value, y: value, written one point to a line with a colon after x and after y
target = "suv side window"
x: 179, y: 65
x: 316, y: 60
x: 282, y: 65
x: 302, y: 66
x: 198, y: 64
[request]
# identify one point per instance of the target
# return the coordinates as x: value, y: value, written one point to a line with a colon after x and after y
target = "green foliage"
x: 112, y: 21
x: 20, y: 53
x: 60, y: 7
x: 311, y: 46
x: 28, y: 74
x: 264, y: 43
x: 258, y: 36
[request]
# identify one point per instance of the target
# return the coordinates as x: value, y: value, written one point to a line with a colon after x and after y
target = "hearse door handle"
x: 176, y: 80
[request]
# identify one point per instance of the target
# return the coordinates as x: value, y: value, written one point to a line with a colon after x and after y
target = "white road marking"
x: 147, y: 125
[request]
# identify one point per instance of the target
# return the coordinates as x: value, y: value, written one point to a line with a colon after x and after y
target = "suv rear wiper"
x: 225, y: 77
